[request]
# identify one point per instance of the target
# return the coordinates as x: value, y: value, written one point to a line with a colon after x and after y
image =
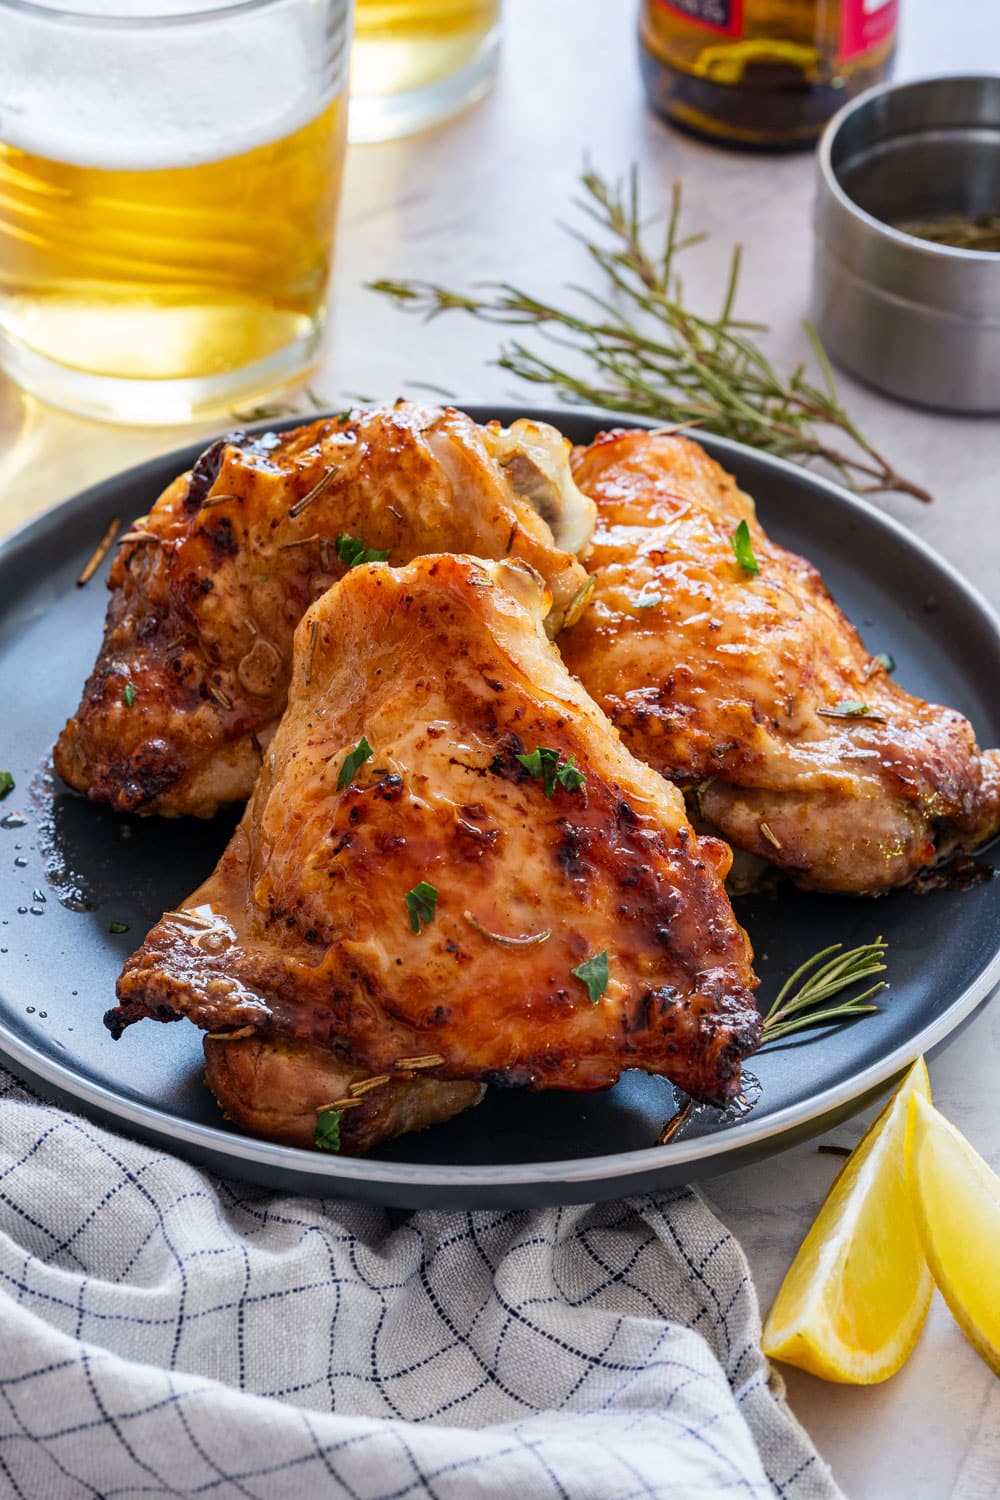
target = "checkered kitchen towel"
x: 163, y: 1333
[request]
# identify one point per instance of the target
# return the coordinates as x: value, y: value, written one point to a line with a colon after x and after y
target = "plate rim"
x: 755, y: 1133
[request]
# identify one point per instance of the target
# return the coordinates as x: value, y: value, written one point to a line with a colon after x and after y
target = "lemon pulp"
x: 957, y: 1204
x: 856, y: 1295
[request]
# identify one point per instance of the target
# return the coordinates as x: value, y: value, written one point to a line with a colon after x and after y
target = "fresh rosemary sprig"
x: 819, y: 979
x: 824, y: 975
x: 650, y: 354
x: 293, y: 406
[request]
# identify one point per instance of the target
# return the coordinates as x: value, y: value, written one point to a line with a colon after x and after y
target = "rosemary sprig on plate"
x: 651, y: 354
x: 820, y: 979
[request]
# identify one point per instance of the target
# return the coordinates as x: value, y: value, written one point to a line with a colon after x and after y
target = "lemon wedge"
x: 957, y: 1203
x: 856, y: 1294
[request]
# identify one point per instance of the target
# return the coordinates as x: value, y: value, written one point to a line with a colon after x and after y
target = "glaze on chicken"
x: 207, y: 589
x: 419, y: 911
x: 753, y: 692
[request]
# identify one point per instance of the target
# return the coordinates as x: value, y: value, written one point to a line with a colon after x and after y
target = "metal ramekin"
x: 919, y: 320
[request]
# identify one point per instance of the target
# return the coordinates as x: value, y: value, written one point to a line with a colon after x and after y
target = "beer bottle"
x: 762, y: 73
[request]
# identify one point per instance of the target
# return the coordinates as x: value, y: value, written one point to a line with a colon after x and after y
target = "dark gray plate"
x: 58, y: 965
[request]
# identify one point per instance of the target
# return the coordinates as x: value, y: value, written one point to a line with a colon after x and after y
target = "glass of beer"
x: 417, y: 62
x: 169, y: 177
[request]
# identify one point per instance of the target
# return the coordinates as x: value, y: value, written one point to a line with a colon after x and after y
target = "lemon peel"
x: 855, y: 1298
x: 957, y: 1208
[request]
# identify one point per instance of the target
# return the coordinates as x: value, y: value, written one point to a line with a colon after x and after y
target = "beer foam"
x: 131, y: 10
x: 146, y: 97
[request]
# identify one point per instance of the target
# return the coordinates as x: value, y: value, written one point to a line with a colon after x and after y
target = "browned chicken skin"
x: 305, y: 931
x: 275, y: 1087
x: 730, y: 683
x: 208, y: 588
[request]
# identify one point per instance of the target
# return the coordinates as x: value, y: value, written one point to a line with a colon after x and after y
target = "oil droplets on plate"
x: 706, y: 1119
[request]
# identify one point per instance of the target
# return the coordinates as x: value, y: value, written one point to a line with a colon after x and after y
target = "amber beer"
x: 175, y: 273
x: 417, y: 61
x: 158, y: 273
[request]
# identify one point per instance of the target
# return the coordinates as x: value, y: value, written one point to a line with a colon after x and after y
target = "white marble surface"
x: 478, y: 199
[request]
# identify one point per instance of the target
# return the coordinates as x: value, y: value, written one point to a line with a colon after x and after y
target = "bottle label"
x: 865, y: 23
x: 724, y: 16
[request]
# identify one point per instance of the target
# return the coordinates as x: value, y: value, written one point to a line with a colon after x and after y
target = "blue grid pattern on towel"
x: 164, y: 1333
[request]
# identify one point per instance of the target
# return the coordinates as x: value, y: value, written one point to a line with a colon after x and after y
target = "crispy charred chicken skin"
x: 445, y: 827
x: 753, y: 692
x: 207, y: 589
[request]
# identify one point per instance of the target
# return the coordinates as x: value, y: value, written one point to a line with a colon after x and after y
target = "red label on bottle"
x: 865, y: 23
x: 722, y: 16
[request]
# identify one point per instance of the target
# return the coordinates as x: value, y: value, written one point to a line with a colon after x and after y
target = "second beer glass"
x: 416, y: 62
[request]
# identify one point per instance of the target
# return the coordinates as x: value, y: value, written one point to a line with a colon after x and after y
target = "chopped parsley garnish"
x: 594, y: 974
x: 361, y: 752
x: 117, y: 927
x: 421, y: 903
x: 352, y: 551
x: 6, y: 784
x: 327, y: 1132
x: 646, y: 601
x: 543, y: 764
x: 885, y: 661
x: 743, y: 548
x: 128, y: 696
x: 571, y: 777
x: 344, y: 416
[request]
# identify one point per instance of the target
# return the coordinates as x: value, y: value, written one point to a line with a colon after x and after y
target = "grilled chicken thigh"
x: 753, y: 692
x: 276, y: 1086
x: 451, y: 869
x: 208, y: 588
